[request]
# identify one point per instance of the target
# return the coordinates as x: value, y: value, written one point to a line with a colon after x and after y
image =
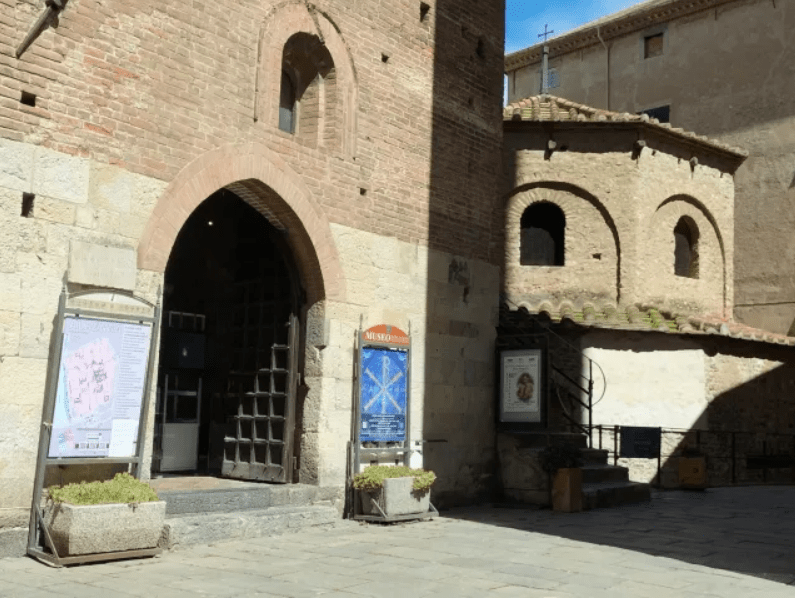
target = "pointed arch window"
x: 287, y: 104
x: 543, y: 231
x: 686, y: 248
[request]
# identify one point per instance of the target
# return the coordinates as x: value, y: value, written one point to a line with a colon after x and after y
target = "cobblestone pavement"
x: 680, y: 545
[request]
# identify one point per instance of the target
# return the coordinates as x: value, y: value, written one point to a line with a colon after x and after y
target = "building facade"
x: 719, y: 67
x: 333, y: 165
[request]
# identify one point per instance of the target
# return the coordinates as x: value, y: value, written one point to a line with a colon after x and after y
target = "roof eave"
x: 608, y: 29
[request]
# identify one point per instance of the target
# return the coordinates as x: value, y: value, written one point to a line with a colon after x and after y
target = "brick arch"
x: 520, y: 198
x: 266, y: 182
x: 690, y: 206
x: 284, y: 21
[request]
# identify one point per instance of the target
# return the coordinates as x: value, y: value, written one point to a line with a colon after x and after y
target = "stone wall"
x: 620, y: 211
x: 144, y: 110
x: 705, y: 393
x: 743, y: 105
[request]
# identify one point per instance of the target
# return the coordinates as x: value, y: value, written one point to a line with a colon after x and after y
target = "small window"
x: 542, y: 236
x: 287, y: 104
x: 661, y: 113
x: 653, y: 45
x: 553, y: 79
x: 686, y: 248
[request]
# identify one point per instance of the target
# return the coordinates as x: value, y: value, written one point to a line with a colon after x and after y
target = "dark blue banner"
x: 383, y: 395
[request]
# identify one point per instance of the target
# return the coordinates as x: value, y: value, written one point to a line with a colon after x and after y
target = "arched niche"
x: 592, y: 254
x: 296, y: 40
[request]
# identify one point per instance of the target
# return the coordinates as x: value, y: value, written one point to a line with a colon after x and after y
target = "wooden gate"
x: 261, y: 387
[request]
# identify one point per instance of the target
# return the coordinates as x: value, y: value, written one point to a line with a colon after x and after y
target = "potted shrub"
x: 394, y: 490
x: 562, y: 463
x: 99, y: 517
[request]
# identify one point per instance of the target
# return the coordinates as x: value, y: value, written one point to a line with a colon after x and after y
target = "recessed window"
x: 661, y: 113
x: 424, y: 9
x: 543, y: 235
x: 308, y: 98
x: 686, y: 248
x: 653, y: 45
x: 287, y: 104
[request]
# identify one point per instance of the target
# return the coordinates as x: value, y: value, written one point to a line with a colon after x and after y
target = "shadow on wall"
x: 745, y: 428
x: 464, y: 254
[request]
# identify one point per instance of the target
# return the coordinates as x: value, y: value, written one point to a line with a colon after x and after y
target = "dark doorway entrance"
x: 228, y: 367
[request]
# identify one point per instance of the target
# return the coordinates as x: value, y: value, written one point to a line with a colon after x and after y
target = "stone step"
x: 244, y: 497
x: 184, y: 530
x: 600, y: 472
x: 611, y: 494
x: 591, y: 455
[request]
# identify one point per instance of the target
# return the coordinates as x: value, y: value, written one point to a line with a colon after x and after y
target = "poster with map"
x: 100, y: 391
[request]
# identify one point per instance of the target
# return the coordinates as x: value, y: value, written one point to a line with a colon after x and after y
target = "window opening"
x: 542, y: 236
x: 28, y: 99
x: 287, y: 105
x: 686, y: 248
x: 653, y: 45
x: 661, y: 113
x: 424, y: 8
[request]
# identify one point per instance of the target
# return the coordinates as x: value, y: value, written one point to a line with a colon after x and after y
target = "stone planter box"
x: 567, y: 490
x: 91, y: 529
x: 397, y: 497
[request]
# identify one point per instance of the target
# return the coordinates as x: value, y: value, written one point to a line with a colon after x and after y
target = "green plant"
x: 123, y: 488
x: 373, y: 477
x: 560, y: 456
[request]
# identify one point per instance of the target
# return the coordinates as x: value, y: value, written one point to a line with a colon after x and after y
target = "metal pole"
x: 590, y: 404
x: 615, y: 445
x: 147, y: 398
x: 46, y: 425
x: 545, y: 72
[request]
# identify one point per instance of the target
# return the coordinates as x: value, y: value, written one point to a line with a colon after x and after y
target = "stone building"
x: 619, y: 249
x: 333, y: 165
x: 719, y: 67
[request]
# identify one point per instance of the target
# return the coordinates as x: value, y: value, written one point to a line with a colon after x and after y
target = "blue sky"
x: 525, y: 19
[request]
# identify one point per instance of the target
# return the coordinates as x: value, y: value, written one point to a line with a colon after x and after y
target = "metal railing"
x: 730, y: 454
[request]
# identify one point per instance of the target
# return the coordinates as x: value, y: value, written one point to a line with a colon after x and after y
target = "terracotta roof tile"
x: 641, y: 318
x: 554, y: 109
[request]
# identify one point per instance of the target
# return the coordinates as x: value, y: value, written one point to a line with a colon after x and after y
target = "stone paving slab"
x: 666, y: 548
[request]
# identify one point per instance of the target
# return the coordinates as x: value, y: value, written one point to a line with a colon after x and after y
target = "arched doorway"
x: 228, y: 366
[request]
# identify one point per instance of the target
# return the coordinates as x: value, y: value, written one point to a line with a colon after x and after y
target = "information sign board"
x: 100, y: 390
x: 640, y: 442
x: 383, y: 394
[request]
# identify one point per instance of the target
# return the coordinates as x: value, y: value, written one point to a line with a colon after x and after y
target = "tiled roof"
x: 634, y: 18
x: 552, y: 108
x: 639, y: 317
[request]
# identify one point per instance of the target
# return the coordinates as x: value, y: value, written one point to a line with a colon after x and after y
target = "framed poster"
x: 383, y: 394
x: 101, y: 383
x: 521, y: 385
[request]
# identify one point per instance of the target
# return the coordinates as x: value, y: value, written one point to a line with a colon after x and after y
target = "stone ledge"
x: 216, y: 527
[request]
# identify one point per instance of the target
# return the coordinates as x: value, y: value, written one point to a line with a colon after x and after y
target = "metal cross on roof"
x: 546, y: 33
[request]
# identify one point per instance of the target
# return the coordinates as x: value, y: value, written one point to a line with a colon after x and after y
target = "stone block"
x: 54, y: 210
x: 102, y: 266
x: 61, y: 176
x: 35, y: 335
x: 105, y: 528
x: 9, y: 333
x: 42, y: 281
x: 111, y: 187
x: 16, y: 165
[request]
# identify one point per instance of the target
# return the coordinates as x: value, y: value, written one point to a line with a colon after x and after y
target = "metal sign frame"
x: 70, y: 305
x: 527, y: 343
x: 358, y: 450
